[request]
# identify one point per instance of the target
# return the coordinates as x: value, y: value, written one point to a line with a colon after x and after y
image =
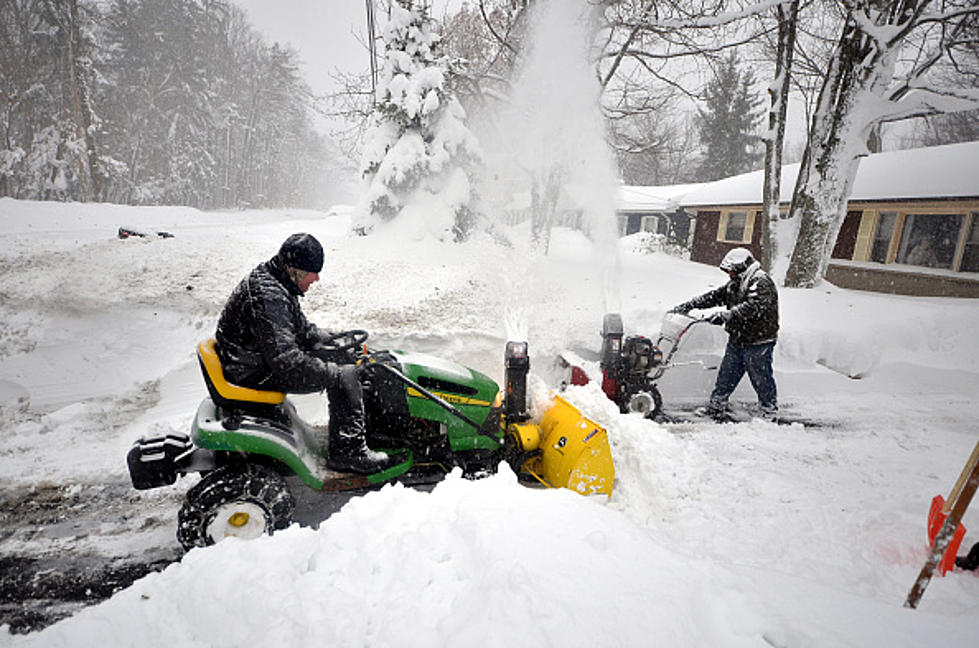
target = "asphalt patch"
x: 38, y: 591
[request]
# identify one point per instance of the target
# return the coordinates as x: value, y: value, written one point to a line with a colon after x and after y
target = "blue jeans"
x: 756, y: 361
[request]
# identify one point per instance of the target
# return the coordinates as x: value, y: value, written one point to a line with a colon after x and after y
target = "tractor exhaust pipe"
x: 517, y: 363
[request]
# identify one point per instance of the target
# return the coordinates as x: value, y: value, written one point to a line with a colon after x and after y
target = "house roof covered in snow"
x: 636, y: 198
x: 950, y: 171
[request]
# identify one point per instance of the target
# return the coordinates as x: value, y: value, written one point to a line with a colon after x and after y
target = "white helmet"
x: 737, y: 261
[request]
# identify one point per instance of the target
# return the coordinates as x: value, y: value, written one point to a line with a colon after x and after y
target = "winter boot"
x: 716, y: 414
x: 766, y: 413
x: 348, y: 451
x: 969, y: 561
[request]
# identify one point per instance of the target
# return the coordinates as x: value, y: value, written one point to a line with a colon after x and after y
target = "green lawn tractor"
x: 251, y: 447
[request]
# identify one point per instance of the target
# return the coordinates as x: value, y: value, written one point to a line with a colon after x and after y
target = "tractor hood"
x: 443, y: 375
x: 472, y: 392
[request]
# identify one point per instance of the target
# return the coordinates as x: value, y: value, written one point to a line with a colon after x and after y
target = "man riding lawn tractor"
x: 265, y: 342
x: 430, y: 416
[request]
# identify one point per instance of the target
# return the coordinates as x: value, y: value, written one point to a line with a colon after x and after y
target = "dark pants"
x: 756, y: 361
x: 344, y: 392
x: 346, y: 396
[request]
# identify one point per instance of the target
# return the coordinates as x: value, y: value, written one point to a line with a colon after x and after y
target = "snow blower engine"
x: 626, y: 365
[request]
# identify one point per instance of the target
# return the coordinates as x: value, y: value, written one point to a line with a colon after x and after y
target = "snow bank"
x: 472, y: 564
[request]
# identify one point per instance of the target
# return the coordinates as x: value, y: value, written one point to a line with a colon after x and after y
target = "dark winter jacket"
x: 265, y: 341
x: 752, y: 301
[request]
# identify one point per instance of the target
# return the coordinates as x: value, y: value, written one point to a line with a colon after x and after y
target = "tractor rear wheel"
x: 241, y: 500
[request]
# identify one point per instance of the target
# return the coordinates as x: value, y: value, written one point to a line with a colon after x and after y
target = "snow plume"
x: 420, y: 156
x: 548, y: 161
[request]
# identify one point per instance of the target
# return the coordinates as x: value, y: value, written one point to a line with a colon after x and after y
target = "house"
x: 654, y: 209
x: 637, y: 208
x: 912, y: 223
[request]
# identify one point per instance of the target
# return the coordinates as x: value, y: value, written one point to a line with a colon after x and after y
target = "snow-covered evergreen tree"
x: 727, y: 124
x: 420, y: 157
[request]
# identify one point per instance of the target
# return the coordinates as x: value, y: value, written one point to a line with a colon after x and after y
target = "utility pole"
x: 372, y: 48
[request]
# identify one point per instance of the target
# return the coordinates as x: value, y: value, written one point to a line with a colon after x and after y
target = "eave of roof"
x: 938, y: 172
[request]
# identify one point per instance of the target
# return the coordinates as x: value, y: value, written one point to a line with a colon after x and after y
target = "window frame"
x: 970, y: 227
x: 910, y: 227
x: 749, y: 226
x: 863, y: 251
x: 893, y: 242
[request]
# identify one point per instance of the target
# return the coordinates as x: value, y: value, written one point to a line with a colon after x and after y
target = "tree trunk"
x: 79, y: 108
x: 544, y: 193
x: 86, y: 119
x: 787, y: 15
x: 837, y: 140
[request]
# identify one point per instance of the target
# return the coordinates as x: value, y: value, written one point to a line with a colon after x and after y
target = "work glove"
x: 719, y: 318
x: 682, y: 309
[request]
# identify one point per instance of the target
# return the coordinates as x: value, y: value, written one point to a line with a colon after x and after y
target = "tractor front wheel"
x: 243, y: 501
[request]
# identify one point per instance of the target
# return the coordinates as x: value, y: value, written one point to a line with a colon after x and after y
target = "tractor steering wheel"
x: 344, y: 341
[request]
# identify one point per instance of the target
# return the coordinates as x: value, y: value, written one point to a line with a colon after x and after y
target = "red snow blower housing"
x: 632, y: 365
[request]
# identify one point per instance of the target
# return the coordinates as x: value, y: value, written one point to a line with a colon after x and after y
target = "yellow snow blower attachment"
x: 564, y: 449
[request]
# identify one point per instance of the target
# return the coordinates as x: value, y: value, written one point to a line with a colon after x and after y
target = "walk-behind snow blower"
x: 432, y: 415
x: 631, y: 366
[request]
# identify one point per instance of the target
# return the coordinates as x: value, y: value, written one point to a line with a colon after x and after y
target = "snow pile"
x: 716, y: 535
x: 488, y: 563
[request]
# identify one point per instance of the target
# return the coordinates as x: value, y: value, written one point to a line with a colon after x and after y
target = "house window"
x: 930, y: 240
x: 882, y: 236
x: 970, y: 254
x: 633, y: 223
x: 629, y: 223
x: 733, y: 227
x: 650, y: 223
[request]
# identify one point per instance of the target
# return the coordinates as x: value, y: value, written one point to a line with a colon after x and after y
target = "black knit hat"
x: 303, y: 252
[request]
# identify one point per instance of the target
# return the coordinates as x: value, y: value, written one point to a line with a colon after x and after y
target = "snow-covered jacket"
x: 752, y: 301
x: 265, y: 341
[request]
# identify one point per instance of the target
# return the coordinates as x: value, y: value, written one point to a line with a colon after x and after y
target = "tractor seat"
x: 226, y: 394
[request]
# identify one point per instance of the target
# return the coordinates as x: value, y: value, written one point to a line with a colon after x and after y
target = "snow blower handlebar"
x: 676, y: 344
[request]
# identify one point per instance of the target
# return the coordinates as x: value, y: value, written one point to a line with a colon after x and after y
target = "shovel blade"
x: 936, y: 520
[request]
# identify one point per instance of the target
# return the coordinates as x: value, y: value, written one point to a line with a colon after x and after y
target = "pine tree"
x: 420, y: 156
x: 727, y: 125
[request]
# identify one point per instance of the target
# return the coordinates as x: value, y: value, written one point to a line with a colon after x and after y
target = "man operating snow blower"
x: 751, y: 321
x: 265, y: 342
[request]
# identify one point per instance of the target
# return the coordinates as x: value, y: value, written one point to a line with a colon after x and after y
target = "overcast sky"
x: 328, y: 34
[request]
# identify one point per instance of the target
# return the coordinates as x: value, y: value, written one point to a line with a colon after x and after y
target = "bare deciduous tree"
x: 786, y: 15
x: 878, y: 73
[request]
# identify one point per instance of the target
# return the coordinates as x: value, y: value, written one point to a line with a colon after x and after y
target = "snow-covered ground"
x: 716, y: 535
